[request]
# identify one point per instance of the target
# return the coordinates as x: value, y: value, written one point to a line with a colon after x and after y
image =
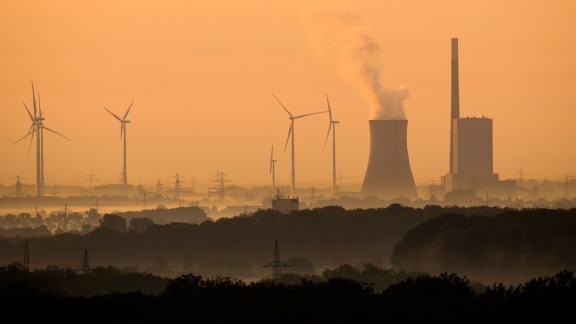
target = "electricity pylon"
x: 26, y: 256
x: 276, y: 264
x: 85, y: 263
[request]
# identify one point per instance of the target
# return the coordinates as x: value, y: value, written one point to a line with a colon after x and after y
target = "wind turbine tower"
x: 332, y: 127
x: 37, y: 128
x: 291, y: 133
x: 273, y: 169
x: 123, y: 123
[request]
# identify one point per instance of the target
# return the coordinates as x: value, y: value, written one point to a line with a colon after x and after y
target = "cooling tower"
x: 389, y: 175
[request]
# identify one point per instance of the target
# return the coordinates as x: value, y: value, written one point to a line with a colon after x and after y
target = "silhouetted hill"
x: 238, y: 245
x: 509, y: 247
x: 319, y: 238
x: 192, y: 215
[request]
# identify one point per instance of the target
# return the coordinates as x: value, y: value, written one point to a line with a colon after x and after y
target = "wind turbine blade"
x: 29, y: 114
x: 289, y: 133
x: 33, y: 98
x: 23, y: 137
x: 127, y: 111
x: 281, y: 104
x: 55, y: 132
x: 31, y: 140
x: 327, y: 135
x: 39, y: 106
x: 329, y: 110
x: 318, y: 112
x: 114, y: 115
x: 122, y: 129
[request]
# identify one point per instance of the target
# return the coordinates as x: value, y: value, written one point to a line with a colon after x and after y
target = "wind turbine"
x: 123, y: 123
x: 37, y: 128
x: 291, y: 132
x: 273, y: 169
x: 332, y: 127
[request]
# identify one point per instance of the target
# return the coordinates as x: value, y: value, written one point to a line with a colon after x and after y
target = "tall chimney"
x: 388, y: 174
x: 455, y: 99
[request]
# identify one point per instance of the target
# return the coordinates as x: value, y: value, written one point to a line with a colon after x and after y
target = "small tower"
x: 26, y: 256
x: 276, y: 264
x: 85, y: 263
x: 18, y: 187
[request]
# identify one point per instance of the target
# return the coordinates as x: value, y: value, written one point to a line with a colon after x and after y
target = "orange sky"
x: 200, y: 74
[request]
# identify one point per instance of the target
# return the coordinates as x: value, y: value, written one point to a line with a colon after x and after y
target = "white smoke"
x: 340, y: 34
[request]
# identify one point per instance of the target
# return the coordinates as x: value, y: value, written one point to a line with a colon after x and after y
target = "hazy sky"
x: 200, y: 74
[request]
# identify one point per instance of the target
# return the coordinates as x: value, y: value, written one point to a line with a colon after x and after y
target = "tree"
x: 140, y: 224
x: 113, y: 222
x: 343, y: 271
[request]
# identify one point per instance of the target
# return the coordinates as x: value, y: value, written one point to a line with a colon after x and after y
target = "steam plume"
x: 340, y: 33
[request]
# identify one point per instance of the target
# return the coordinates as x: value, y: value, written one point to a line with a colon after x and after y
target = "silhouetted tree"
x: 114, y: 222
x: 140, y: 224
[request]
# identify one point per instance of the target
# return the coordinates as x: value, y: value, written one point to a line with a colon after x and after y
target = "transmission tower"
x: 221, y: 187
x: 91, y: 179
x: 276, y: 264
x: 159, y: 188
x: 177, y: 186
x: 18, y: 187
x: 85, y: 263
x: 26, y: 256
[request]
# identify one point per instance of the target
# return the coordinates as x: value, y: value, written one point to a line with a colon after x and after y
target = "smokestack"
x: 455, y: 99
x: 388, y: 174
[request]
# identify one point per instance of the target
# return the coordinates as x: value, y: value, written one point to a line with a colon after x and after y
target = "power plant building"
x: 471, y: 149
x: 388, y: 175
x: 472, y: 155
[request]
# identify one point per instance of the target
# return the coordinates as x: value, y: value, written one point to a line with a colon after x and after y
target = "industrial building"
x: 388, y: 175
x: 471, y: 148
x: 285, y: 205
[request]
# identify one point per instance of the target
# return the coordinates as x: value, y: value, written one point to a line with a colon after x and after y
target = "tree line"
x: 512, y: 246
x: 445, y: 297
x: 487, y: 244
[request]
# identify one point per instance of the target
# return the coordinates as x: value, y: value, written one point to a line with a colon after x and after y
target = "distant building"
x: 471, y: 152
x: 285, y: 205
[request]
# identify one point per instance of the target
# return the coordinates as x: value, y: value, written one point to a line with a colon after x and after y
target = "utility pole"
x: 26, y: 256
x: 566, y: 186
x: 85, y: 263
x: 159, y: 188
x: 177, y: 187
x: 221, y: 188
x: 276, y: 264
x: 18, y: 187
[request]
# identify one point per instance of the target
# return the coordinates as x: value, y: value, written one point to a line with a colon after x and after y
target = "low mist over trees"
x: 512, y: 246
x: 486, y: 244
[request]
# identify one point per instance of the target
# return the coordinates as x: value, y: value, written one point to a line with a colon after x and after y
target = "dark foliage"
x: 446, y: 298
x: 515, y: 245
